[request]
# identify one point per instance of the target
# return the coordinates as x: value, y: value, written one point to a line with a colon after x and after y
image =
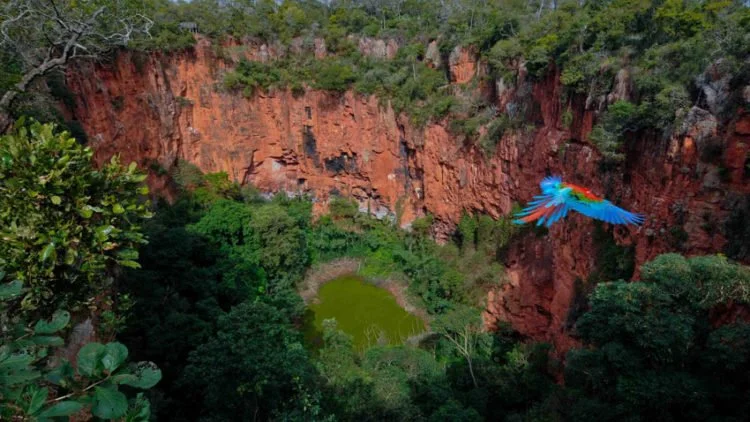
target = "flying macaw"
x: 558, y: 198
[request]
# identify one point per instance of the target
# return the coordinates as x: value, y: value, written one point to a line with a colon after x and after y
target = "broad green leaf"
x: 19, y: 377
x: 129, y: 264
x: 89, y: 359
x: 115, y: 356
x: 37, y: 400
x: 63, y: 408
x: 48, y: 340
x: 118, y: 209
x: 86, y: 212
x: 128, y: 254
x: 132, y: 166
x: 49, y: 252
x: 109, y: 403
x: 61, y: 374
x: 102, y: 232
x: 56, y: 199
x: 58, y: 321
x: 9, y: 290
x: 140, y: 410
x: 17, y: 360
x: 145, y: 375
x: 70, y: 256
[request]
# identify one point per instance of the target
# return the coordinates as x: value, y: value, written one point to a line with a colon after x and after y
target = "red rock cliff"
x: 168, y: 108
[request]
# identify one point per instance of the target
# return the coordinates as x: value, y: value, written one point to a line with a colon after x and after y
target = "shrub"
x: 64, y: 223
x: 28, y: 372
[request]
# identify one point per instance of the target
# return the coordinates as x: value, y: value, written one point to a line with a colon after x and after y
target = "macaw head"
x: 550, y: 184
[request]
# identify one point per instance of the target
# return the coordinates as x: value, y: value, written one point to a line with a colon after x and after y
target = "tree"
x: 462, y: 327
x: 48, y: 34
x: 654, y: 353
x: 280, y: 245
x: 65, y: 225
x: 254, y: 366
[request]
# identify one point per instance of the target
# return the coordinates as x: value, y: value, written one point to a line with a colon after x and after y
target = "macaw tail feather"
x: 544, y: 209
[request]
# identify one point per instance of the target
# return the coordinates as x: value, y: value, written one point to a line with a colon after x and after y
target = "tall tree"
x: 462, y: 327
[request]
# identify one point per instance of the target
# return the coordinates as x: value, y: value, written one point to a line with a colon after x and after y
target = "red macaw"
x: 558, y: 198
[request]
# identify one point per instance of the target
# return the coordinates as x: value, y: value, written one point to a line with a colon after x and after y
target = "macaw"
x: 558, y: 198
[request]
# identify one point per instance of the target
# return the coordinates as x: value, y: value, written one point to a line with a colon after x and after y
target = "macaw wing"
x: 605, y: 211
x: 544, y: 209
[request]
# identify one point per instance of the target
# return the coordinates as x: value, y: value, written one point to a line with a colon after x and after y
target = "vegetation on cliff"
x: 642, y: 65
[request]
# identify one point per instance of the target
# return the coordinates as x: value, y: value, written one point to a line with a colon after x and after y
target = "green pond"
x: 366, y: 312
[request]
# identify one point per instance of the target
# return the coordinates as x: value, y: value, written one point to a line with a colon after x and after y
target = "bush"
x: 65, y: 224
x: 28, y: 371
x: 334, y: 76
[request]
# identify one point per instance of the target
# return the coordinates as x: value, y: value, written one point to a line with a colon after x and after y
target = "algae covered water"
x: 366, y: 312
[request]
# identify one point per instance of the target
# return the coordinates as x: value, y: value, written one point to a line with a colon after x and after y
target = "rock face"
x: 463, y: 64
x: 168, y: 108
x: 377, y: 48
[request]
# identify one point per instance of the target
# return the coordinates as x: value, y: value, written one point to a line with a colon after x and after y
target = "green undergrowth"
x: 221, y: 246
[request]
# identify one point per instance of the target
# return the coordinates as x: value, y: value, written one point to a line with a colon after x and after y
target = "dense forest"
x: 196, y: 302
x: 211, y: 300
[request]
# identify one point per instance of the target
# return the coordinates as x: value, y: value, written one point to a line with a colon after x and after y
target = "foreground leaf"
x: 58, y: 321
x: 9, y: 290
x: 145, y: 376
x: 64, y: 408
x: 89, y: 358
x: 115, y: 356
x: 109, y: 403
x: 37, y: 400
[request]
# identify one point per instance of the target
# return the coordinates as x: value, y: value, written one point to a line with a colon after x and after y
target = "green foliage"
x: 64, y: 224
x: 247, y: 369
x: 179, y: 294
x: 28, y: 372
x: 386, y: 383
x: 609, y: 134
x: 654, y: 348
x: 281, y: 242
x: 250, y: 76
x: 495, y: 131
x: 334, y: 76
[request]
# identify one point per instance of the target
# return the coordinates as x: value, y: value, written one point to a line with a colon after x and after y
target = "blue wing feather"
x: 606, y: 211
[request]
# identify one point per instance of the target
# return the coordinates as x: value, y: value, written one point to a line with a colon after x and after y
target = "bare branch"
x: 47, y: 34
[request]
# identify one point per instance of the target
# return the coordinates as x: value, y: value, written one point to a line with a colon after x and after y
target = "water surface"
x: 366, y: 312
